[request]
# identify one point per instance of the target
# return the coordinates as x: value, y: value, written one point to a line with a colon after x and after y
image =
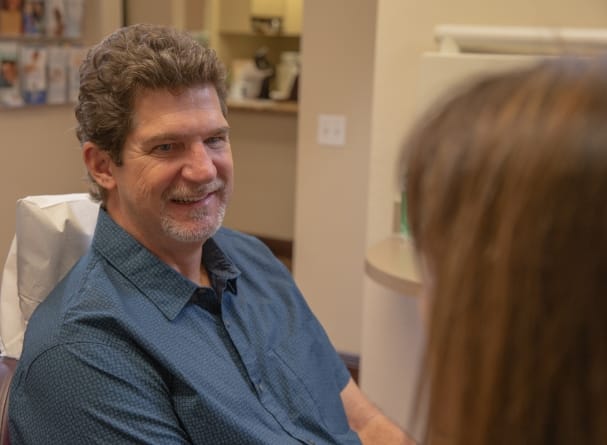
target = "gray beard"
x: 201, y: 232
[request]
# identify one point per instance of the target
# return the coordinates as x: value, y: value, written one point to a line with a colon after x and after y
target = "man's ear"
x: 99, y: 165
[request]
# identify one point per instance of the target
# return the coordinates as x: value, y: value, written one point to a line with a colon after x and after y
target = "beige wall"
x: 338, y: 56
x: 182, y: 14
x: 263, y: 147
x: 152, y: 11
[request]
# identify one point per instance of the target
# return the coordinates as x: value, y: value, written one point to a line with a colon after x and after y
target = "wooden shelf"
x: 270, y: 106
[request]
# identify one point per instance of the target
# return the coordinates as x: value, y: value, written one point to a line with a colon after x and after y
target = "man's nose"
x: 198, y: 165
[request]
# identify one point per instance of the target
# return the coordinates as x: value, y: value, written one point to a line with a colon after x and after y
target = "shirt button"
x: 227, y: 324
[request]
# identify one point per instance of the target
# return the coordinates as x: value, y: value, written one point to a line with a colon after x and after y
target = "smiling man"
x: 174, y: 180
x: 171, y: 329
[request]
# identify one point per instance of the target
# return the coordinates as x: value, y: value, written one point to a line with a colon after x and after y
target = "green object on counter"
x: 404, y: 223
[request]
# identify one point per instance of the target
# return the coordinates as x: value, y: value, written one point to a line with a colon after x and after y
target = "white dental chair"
x: 52, y: 232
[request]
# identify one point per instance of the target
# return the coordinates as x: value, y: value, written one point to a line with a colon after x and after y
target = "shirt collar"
x: 222, y: 271
x: 164, y: 286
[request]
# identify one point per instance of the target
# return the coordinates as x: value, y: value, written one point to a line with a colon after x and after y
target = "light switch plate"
x: 331, y: 129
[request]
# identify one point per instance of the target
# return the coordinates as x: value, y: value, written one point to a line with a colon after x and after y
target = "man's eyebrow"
x: 222, y: 130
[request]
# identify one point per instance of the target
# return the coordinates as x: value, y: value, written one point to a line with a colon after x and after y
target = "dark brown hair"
x: 131, y: 60
x: 507, y: 201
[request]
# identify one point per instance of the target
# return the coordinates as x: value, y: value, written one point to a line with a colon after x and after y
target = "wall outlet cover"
x: 331, y: 129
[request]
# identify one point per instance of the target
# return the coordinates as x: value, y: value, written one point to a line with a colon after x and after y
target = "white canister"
x: 286, y: 72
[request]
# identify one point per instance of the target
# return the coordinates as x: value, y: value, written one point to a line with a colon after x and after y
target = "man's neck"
x: 204, y: 277
x: 188, y: 262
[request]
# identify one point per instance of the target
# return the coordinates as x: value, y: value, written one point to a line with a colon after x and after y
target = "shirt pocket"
x: 308, y: 391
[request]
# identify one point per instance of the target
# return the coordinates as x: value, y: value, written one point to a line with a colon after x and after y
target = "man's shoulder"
x: 85, y: 286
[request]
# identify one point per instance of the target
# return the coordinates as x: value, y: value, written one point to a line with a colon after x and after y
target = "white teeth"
x: 181, y: 197
x: 192, y: 199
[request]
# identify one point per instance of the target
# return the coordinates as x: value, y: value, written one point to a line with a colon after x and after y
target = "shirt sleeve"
x: 95, y: 394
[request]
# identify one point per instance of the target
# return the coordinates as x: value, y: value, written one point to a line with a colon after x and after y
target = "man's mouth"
x: 190, y: 200
x: 198, y: 198
x: 184, y: 196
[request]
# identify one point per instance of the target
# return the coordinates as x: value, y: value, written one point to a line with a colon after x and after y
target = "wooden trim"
x: 352, y: 363
x: 279, y: 247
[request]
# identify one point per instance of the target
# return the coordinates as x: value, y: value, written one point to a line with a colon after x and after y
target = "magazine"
x: 55, y: 18
x: 74, y: 15
x: 57, y: 75
x: 33, y: 17
x: 10, y: 94
x: 33, y: 74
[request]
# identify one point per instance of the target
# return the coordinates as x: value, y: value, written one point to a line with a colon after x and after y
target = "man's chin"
x: 191, y: 234
x: 195, y: 227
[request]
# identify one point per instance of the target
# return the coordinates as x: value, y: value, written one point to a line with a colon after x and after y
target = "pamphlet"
x: 10, y: 94
x: 33, y: 74
x: 57, y: 75
x: 33, y: 17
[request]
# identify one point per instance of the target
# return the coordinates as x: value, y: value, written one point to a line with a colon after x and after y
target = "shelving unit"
x: 235, y: 37
x: 40, y: 51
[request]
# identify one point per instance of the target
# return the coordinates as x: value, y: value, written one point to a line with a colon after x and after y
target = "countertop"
x: 391, y: 262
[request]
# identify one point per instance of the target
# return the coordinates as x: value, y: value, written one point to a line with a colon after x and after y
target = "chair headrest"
x: 52, y: 233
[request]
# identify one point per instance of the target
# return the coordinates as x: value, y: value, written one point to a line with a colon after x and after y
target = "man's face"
x: 177, y: 174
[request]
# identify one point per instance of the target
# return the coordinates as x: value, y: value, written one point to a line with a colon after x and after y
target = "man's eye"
x: 216, y: 141
x: 163, y: 147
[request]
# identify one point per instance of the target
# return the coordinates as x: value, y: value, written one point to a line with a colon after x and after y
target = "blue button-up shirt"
x: 127, y: 350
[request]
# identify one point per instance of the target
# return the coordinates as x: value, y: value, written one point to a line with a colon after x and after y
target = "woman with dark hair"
x: 507, y: 201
